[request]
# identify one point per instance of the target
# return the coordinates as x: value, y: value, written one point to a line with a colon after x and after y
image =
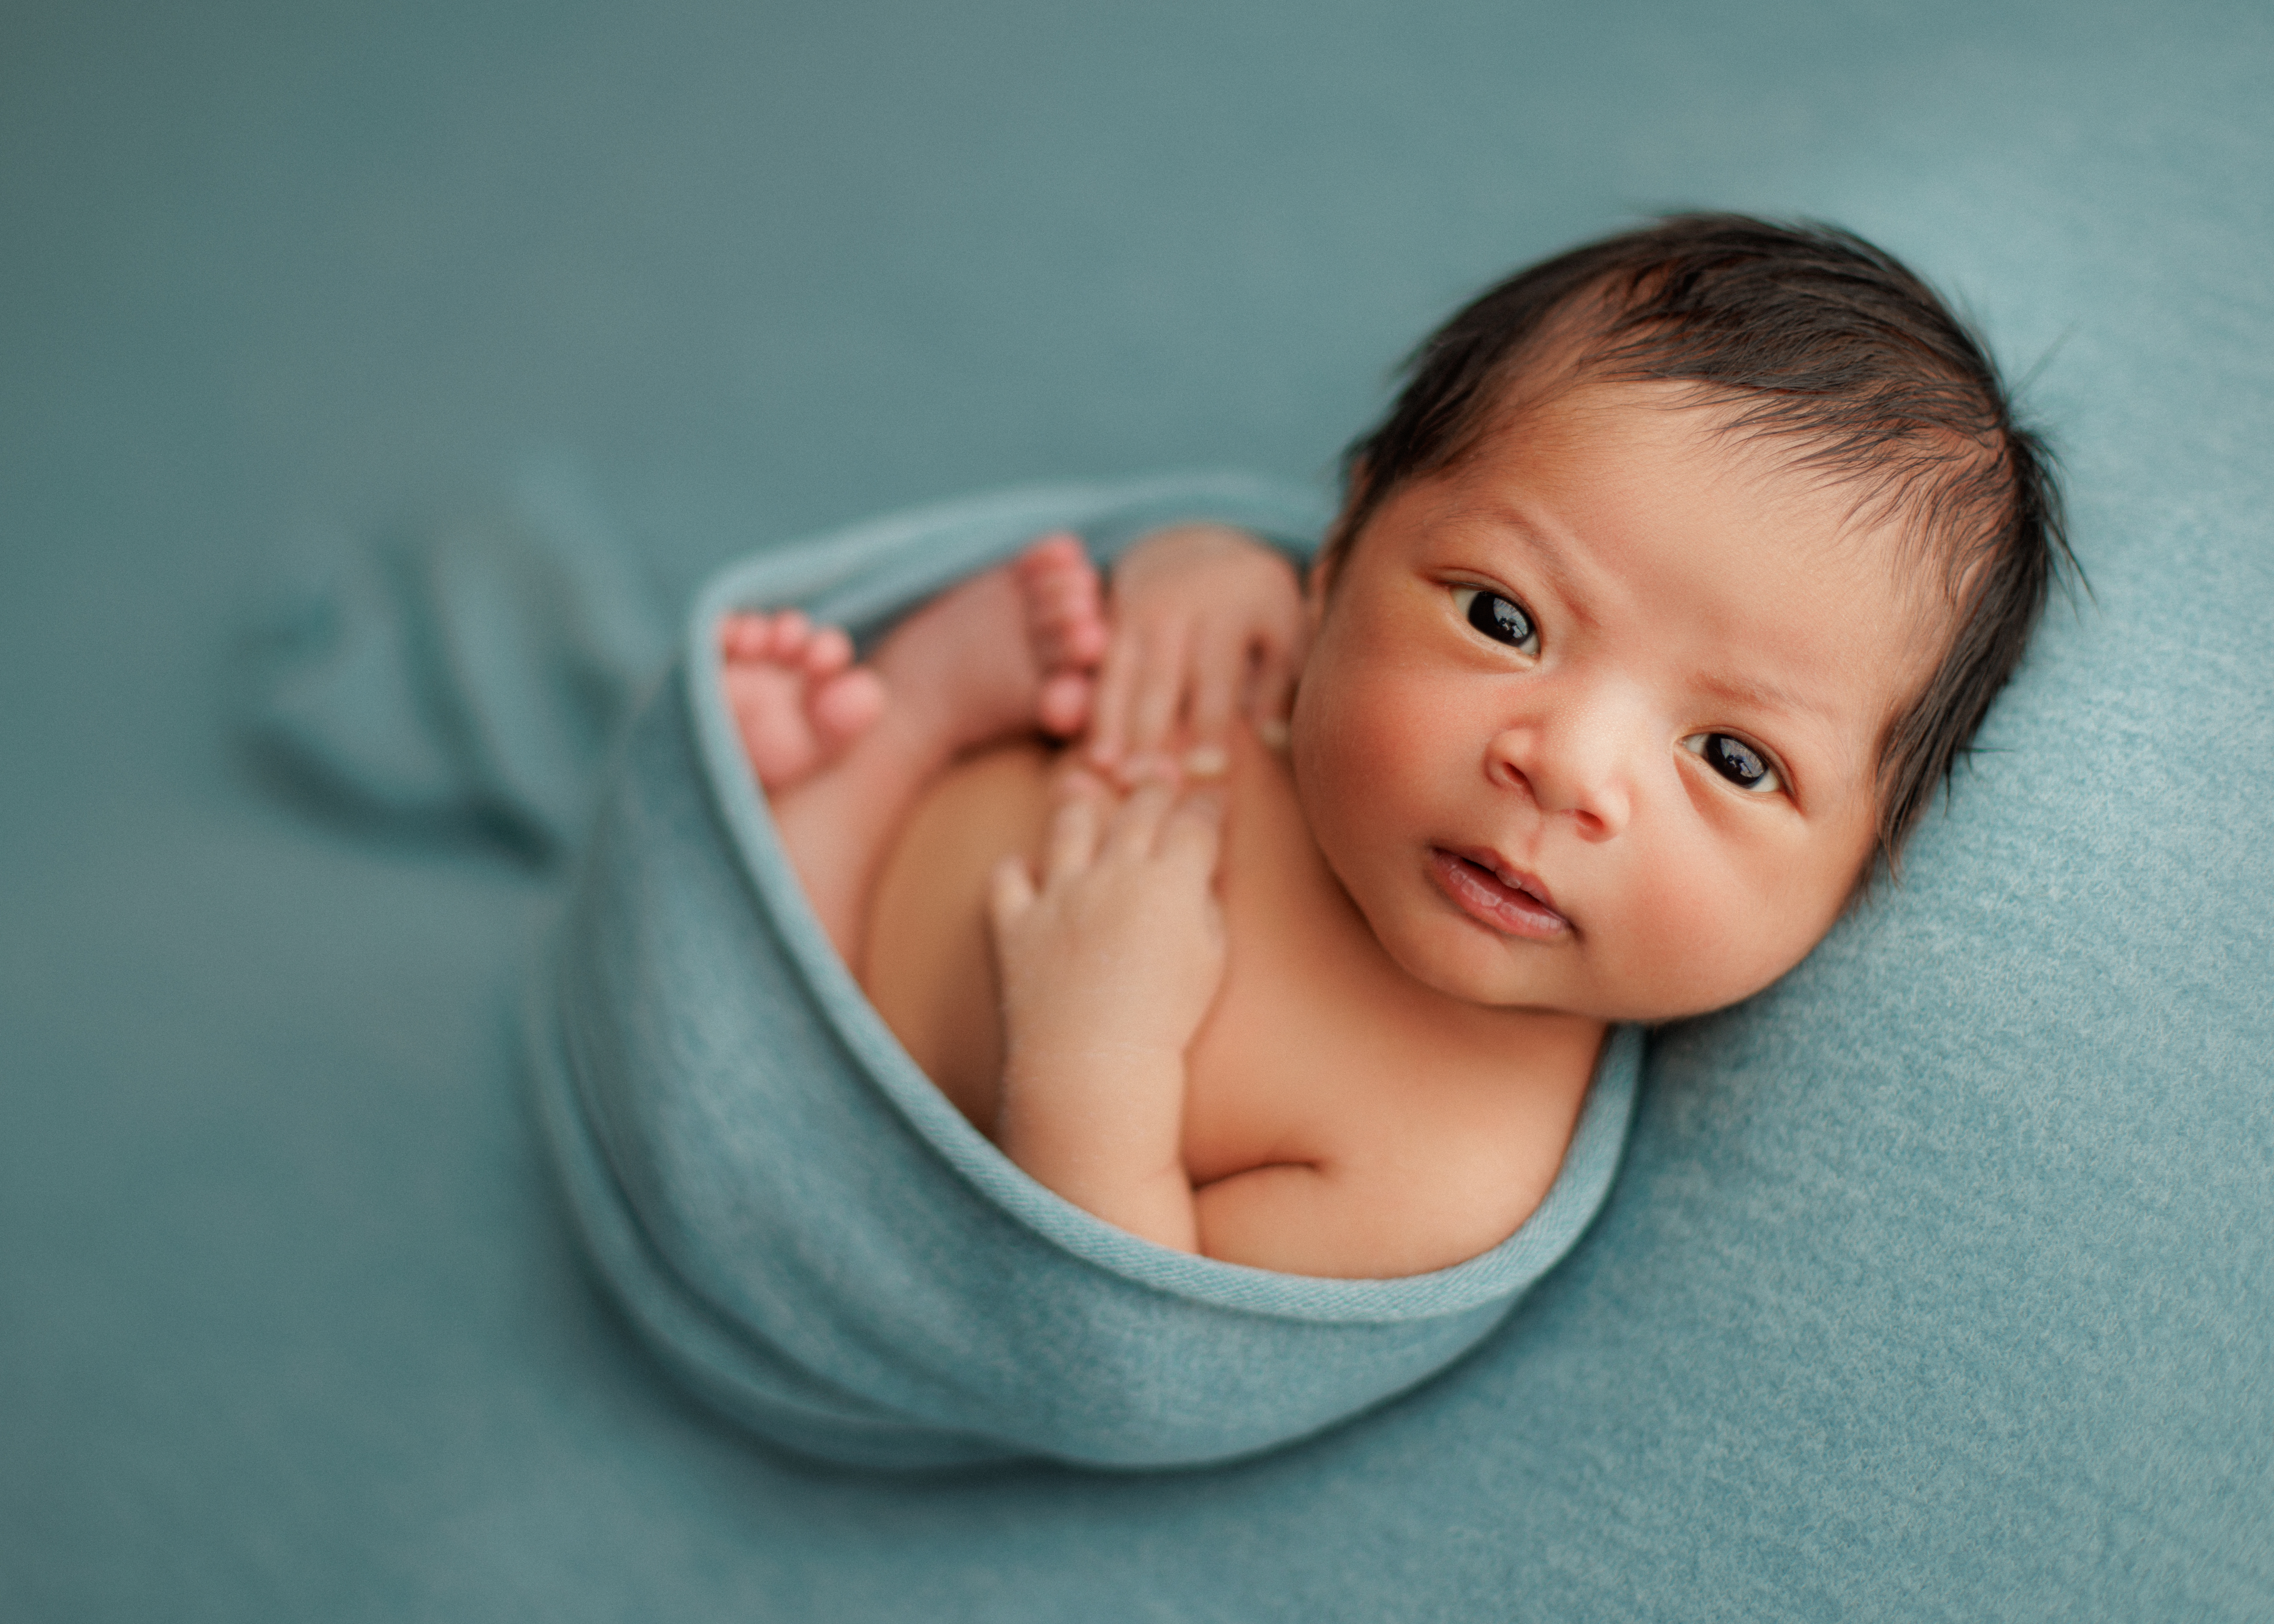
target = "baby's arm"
x: 1108, y: 966
x: 1208, y: 623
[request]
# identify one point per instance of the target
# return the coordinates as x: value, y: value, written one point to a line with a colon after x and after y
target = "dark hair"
x: 1818, y: 337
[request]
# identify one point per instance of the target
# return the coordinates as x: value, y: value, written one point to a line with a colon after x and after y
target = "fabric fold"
x: 471, y: 675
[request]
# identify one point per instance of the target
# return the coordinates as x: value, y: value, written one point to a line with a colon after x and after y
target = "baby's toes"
x: 827, y: 651
x: 845, y: 706
x: 1059, y: 550
x: 745, y: 635
x: 1065, y: 616
x: 776, y: 737
x: 791, y: 633
x: 1075, y: 632
x: 1063, y: 705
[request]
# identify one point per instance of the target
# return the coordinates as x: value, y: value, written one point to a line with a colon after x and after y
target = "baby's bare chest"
x: 1313, y: 1053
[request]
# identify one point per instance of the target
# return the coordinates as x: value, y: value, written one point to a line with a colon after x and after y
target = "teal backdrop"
x: 1940, y: 1282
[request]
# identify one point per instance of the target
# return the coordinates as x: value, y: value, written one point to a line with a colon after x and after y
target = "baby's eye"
x: 1737, y: 760
x: 1503, y: 619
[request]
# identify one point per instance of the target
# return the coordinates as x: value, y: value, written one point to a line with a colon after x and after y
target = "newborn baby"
x: 1658, y: 610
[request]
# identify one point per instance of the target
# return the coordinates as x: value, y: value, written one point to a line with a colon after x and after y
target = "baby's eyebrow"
x: 1760, y: 695
x: 1540, y: 543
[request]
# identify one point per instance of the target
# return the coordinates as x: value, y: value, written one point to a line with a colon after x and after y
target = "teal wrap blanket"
x: 805, y: 1229
x: 792, y: 1214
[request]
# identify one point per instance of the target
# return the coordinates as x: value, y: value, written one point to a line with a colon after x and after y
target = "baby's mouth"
x: 1511, y: 903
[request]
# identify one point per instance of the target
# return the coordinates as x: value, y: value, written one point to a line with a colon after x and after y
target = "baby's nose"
x: 1574, y: 761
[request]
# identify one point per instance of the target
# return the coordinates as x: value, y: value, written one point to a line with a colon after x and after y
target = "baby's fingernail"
x: 1206, y: 761
x: 1273, y: 732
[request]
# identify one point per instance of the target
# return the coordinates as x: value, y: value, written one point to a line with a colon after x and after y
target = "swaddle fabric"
x: 804, y: 1226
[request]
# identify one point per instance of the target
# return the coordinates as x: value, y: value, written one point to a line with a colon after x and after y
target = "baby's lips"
x: 1508, y: 874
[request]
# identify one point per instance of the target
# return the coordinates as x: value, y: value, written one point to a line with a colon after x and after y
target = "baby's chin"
x: 1487, y: 974
x: 1662, y: 1005
x: 1527, y: 978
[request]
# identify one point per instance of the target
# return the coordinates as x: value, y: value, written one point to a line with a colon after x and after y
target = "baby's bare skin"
x: 1337, y: 1117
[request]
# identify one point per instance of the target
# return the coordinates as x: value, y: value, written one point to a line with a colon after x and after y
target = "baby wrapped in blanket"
x: 1305, y: 986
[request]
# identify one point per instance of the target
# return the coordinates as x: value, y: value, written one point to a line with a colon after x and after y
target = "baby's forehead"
x: 1664, y: 496
x: 1879, y: 503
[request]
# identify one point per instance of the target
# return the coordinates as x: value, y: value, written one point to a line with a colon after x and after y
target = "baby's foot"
x: 796, y: 693
x: 1014, y: 649
x: 1066, y: 629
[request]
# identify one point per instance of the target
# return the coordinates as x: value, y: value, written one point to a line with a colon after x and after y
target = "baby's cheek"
x: 1707, y: 938
x: 1350, y: 735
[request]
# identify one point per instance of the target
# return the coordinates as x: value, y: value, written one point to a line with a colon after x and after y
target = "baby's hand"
x: 1208, y: 623
x: 1120, y: 948
x: 1108, y: 966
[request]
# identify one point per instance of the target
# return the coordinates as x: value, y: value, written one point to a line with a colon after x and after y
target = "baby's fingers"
x: 1009, y: 892
x: 1071, y: 844
x: 1192, y: 832
x: 1109, y: 711
x: 1219, y: 661
x: 1139, y: 693
x: 1158, y: 692
x: 1271, y: 696
x: 1134, y: 833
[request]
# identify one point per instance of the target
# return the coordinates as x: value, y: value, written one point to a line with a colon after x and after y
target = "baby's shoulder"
x: 1373, y: 1175
x: 1463, y: 1160
x: 1423, y: 1151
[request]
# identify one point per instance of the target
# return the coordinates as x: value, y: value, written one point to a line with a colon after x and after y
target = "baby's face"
x: 1590, y: 721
